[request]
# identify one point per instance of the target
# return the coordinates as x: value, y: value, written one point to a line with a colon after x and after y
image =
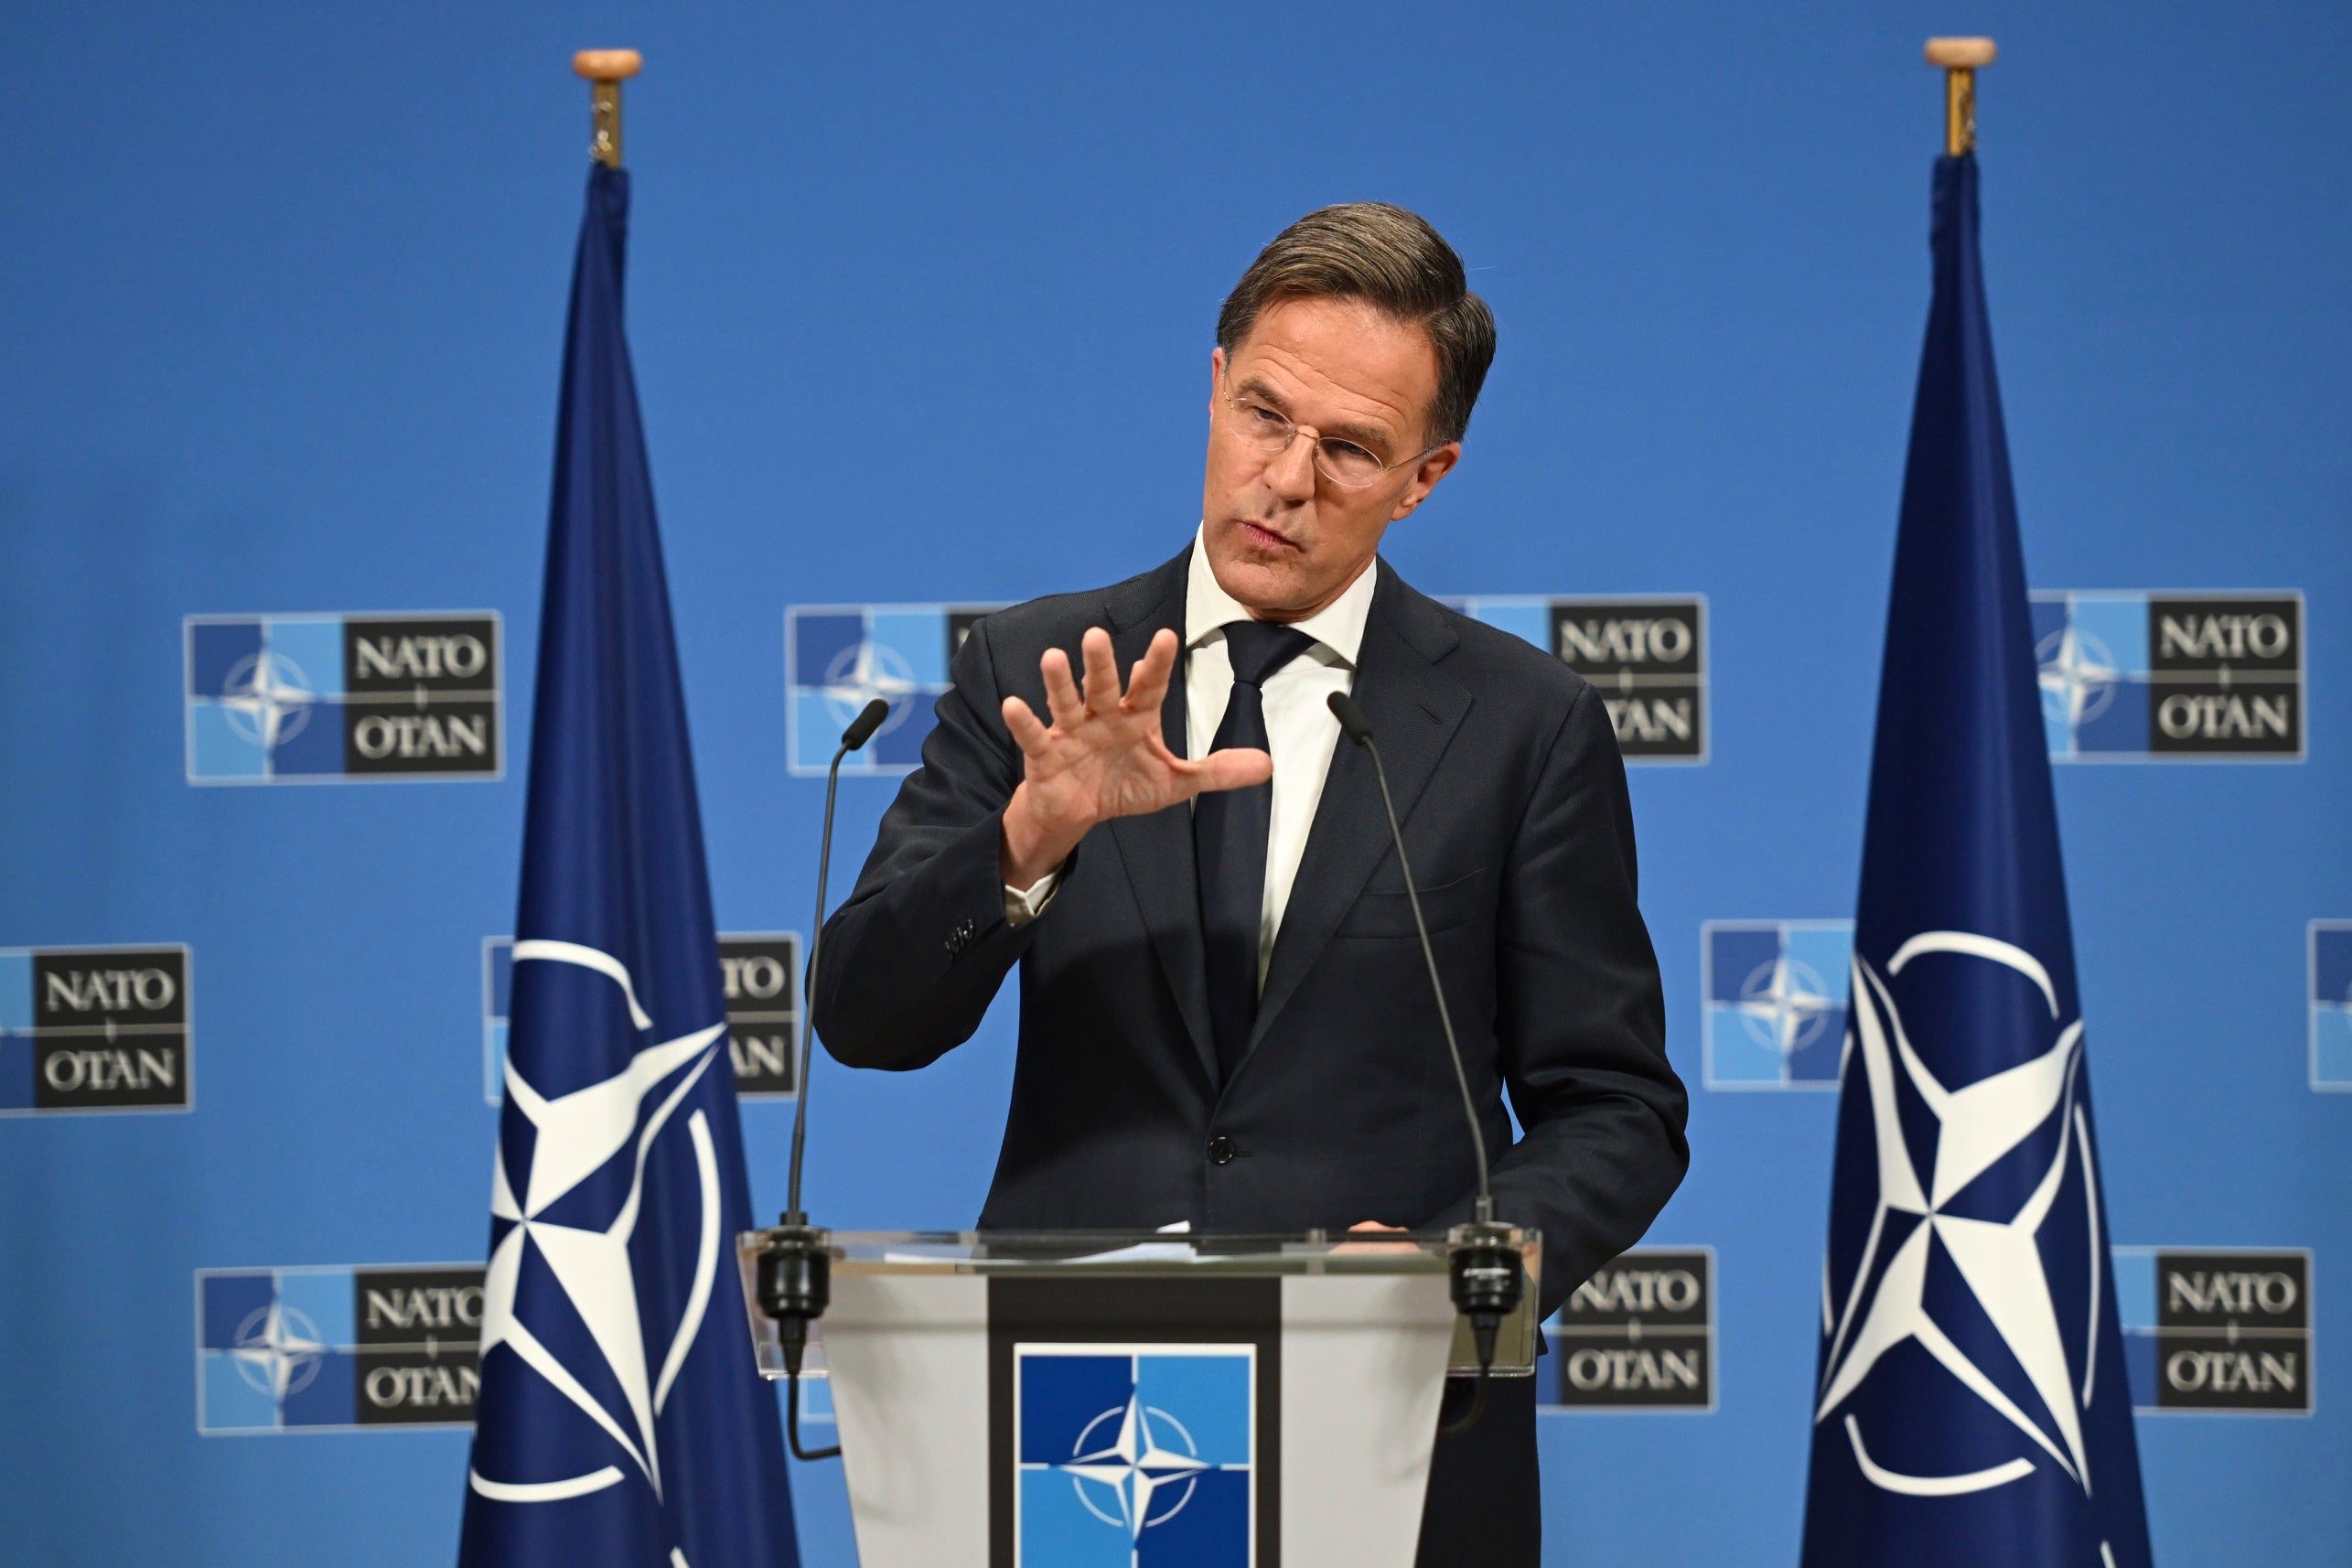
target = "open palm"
x: 1104, y: 756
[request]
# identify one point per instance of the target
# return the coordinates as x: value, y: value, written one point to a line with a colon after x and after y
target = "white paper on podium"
x: 1363, y: 1362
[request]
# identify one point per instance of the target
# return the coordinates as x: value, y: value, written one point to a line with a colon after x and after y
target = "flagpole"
x: 1961, y: 58
x: 607, y: 69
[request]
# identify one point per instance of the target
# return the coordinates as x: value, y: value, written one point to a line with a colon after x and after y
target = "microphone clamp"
x: 795, y: 1285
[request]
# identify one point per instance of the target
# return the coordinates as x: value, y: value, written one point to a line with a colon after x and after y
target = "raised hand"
x: 1102, y: 756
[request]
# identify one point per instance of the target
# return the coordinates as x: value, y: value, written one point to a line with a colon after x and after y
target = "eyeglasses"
x: 1341, y: 461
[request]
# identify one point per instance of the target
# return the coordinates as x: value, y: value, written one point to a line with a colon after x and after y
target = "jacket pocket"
x: 1382, y: 912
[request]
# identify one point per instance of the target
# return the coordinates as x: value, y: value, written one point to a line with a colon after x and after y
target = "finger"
x: 1102, y: 673
x: 1061, y: 692
x: 1235, y: 767
x: 1028, y: 733
x: 1147, y: 683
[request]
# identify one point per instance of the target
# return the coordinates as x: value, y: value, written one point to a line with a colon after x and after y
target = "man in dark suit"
x: 1225, y: 1019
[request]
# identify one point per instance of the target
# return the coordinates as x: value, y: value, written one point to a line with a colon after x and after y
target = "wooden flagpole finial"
x: 607, y: 69
x: 1960, y: 59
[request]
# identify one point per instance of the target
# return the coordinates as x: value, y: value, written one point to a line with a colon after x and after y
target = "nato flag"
x: 620, y: 1419
x: 1971, y: 1406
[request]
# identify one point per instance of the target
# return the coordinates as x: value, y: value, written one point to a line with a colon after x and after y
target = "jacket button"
x: 1221, y: 1150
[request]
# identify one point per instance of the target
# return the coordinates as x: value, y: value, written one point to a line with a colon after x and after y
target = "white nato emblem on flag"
x: 575, y: 1136
x: 2000, y: 1262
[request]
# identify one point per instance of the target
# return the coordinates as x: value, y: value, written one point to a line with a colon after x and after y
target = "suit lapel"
x: 1157, y: 850
x: 1414, y: 710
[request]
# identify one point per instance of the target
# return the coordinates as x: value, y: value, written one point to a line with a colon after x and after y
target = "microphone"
x: 1484, y: 1267
x: 795, y: 1267
x: 861, y: 728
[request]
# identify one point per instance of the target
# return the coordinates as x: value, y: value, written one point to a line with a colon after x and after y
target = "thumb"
x: 1236, y: 767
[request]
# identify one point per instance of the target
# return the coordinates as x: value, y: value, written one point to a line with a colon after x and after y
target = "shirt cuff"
x: 1022, y: 904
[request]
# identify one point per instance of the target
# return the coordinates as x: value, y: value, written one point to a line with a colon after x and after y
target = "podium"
x: 1069, y: 1400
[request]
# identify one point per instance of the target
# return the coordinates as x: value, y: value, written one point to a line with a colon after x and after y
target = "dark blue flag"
x: 620, y: 1419
x: 1971, y: 1406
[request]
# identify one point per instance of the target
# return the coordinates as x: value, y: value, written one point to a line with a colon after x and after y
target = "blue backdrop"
x: 921, y: 303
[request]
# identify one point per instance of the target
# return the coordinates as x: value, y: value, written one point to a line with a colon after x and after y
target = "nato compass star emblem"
x: 278, y: 1351
x: 863, y: 671
x: 1785, y: 1004
x: 2077, y: 676
x: 573, y: 1137
x: 1922, y: 1221
x: 1124, y: 1473
x: 267, y: 698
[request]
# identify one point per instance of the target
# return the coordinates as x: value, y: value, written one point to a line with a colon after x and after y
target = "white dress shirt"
x: 1301, y: 732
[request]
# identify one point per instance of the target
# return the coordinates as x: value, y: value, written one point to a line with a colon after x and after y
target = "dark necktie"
x: 1229, y: 842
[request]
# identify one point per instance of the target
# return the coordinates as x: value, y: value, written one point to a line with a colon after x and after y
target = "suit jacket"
x: 1512, y: 797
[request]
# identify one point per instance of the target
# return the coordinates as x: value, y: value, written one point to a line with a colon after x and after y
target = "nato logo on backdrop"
x: 94, y: 1029
x: 2130, y: 676
x: 838, y: 657
x: 1638, y: 1334
x: 1774, y: 1001
x: 306, y: 699
x: 2217, y: 1330
x: 1646, y: 656
x: 2330, y: 965
x: 330, y: 1350
x: 1134, y: 1455
x: 759, y: 973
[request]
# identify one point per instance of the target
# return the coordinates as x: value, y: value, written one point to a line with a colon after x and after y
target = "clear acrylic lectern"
x: 1051, y: 1399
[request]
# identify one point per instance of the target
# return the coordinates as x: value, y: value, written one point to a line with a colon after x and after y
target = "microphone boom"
x: 1483, y: 1266
x: 795, y: 1271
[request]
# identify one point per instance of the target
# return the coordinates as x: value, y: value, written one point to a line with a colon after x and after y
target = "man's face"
x: 1283, y: 538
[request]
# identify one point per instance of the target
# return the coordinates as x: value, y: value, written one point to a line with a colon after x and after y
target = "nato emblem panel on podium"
x: 1134, y: 1422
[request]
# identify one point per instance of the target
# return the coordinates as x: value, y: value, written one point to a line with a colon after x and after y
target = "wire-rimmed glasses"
x: 1336, y: 459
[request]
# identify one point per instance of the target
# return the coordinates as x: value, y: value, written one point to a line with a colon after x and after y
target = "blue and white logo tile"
x: 2330, y: 963
x: 325, y: 1349
x: 1134, y: 1455
x: 2136, y: 676
x: 1774, y: 1001
x: 316, y: 698
x: 838, y: 657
